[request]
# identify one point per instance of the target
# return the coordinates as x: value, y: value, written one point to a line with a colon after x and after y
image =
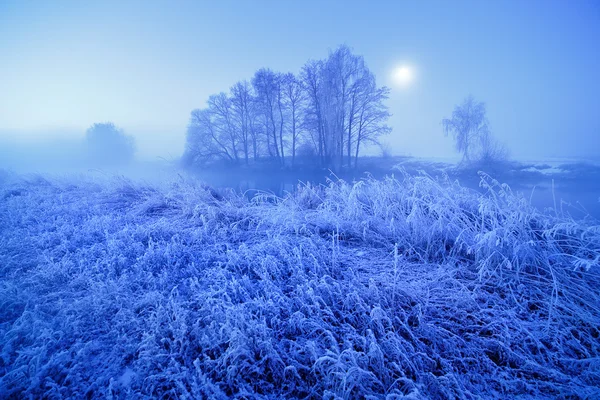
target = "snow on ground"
x: 407, y: 288
x: 545, y: 170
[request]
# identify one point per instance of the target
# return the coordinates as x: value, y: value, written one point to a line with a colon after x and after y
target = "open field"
x: 394, y: 288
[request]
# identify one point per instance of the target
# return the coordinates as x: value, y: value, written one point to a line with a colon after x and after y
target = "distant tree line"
x: 330, y: 111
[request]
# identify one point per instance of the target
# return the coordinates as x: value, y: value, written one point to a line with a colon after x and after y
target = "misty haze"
x: 267, y: 200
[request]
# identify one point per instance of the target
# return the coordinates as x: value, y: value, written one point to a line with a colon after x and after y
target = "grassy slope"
x: 390, y: 288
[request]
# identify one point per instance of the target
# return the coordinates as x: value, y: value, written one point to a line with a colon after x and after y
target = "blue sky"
x: 146, y: 65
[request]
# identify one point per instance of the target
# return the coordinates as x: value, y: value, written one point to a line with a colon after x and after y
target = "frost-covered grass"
x: 399, y: 288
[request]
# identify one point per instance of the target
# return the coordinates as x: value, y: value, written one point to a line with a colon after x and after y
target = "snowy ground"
x: 407, y: 288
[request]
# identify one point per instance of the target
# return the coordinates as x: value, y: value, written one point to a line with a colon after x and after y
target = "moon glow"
x: 403, y: 75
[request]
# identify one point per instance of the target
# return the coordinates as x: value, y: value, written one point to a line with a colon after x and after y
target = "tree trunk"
x: 274, y: 132
x: 268, y: 135
x: 350, y: 142
x: 293, y: 137
x: 358, y: 139
x: 281, y: 133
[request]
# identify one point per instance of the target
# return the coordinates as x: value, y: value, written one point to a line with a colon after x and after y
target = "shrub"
x: 108, y: 145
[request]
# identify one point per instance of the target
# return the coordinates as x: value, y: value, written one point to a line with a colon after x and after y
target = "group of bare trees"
x: 330, y: 111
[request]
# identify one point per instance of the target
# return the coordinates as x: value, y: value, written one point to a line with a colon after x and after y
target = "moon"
x: 403, y: 75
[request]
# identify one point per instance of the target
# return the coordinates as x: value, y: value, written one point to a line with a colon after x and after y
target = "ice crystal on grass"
x: 398, y: 288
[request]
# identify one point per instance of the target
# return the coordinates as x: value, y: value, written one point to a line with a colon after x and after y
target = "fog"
x: 69, y: 155
x: 299, y: 199
x: 533, y: 64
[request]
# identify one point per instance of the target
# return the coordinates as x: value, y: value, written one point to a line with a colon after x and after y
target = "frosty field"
x: 396, y: 288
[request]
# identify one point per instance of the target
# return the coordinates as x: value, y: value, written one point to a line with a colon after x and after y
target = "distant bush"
x: 490, y: 150
x: 108, y: 145
x: 385, y: 150
x: 306, y: 150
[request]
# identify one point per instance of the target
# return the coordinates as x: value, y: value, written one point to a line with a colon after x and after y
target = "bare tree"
x: 265, y: 83
x: 344, y: 108
x: 344, y: 72
x: 241, y: 104
x: 372, y: 115
x: 255, y: 127
x: 220, y: 107
x: 468, y: 125
x: 205, y: 142
x: 312, y: 79
x: 294, y: 97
